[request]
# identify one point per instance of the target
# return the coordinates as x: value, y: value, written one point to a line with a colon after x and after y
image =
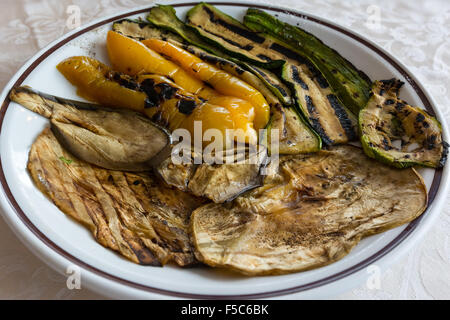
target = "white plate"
x: 60, y: 242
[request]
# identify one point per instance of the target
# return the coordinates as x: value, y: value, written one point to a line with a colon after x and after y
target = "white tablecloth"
x: 416, y: 32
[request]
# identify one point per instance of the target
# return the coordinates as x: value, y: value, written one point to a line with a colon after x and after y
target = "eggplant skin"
x: 310, y: 212
x: 130, y: 213
x: 386, y: 119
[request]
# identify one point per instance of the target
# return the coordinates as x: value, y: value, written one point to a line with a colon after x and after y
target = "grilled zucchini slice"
x: 351, y: 85
x: 386, y: 119
x: 294, y: 134
x: 334, y: 122
x: 165, y: 17
x: 141, y: 30
x: 231, y: 36
x: 272, y: 82
x: 327, y: 116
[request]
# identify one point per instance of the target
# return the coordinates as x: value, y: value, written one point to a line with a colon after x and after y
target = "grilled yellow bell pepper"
x: 90, y: 77
x: 159, y: 98
x: 133, y: 58
x: 221, y: 81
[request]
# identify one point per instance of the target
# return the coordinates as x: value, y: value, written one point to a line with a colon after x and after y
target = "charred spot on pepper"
x: 186, y: 106
x: 233, y: 28
x: 167, y: 91
x: 153, y: 98
x: 122, y: 80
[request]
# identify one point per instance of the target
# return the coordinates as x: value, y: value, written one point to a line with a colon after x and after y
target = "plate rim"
x: 436, y: 190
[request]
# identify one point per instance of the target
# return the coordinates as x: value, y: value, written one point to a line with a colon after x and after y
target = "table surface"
x: 419, y: 35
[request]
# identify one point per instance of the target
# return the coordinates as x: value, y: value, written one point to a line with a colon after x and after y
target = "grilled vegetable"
x: 165, y: 17
x: 212, y: 22
x: 398, y: 134
x: 159, y: 98
x: 334, y: 123
x: 294, y: 134
x: 129, y: 56
x: 273, y: 83
x: 94, y: 82
x: 228, y: 34
x: 92, y: 133
x: 310, y: 212
x: 236, y: 70
x: 139, y: 30
x: 351, y: 85
x: 237, y: 172
x: 132, y: 214
x: 132, y: 57
x: 220, y: 80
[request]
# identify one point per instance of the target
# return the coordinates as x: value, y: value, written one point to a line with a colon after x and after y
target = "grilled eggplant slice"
x: 130, y: 213
x: 322, y: 109
x: 351, y: 85
x: 238, y: 172
x: 92, y: 132
x: 310, y: 212
x: 387, y: 119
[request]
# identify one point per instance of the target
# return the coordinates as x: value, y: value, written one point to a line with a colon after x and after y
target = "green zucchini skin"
x: 165, y: 17
x: 326, y: 115
x: 386, y: 118
x: 351, y: 85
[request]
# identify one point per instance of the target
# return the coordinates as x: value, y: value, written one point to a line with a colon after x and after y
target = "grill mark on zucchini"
x: 247, y: 47
x: 315, y: 122
x: 297, y: 79
x: 326, y: 115
x: 278, y: 87
x: 273, y: 83
x: 332, y: 129
x: 141, y: 30
x: 342, y: 115
x: 287, y: 53
x: 351, y: 84
x: 240, y: 31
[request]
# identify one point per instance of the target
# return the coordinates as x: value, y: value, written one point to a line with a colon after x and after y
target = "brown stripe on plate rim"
x: 342, y: 274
